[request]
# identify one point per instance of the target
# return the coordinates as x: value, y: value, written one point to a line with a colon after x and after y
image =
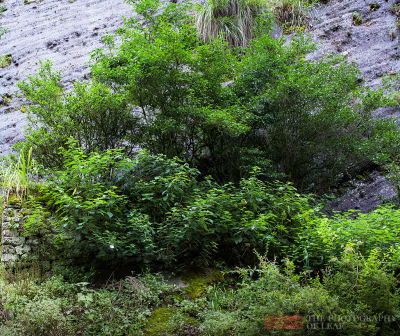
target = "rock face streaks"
x: 59, y: 30
x: 375, y: 47
x: 66, y: 32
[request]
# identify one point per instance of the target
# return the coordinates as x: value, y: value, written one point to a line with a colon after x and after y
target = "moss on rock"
x: 158, y: 322
x: 199, y: 279
x: 5, y: 60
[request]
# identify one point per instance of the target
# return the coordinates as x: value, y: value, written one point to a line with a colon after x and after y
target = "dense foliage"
x: 94, y: 115
x: 184, y: 152
x: 154, y: 209
x: 307, y: 119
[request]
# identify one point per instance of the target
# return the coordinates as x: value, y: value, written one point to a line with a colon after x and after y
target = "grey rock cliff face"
x: 58, y: 30
x: 375, y: 47
x: 66, y: 33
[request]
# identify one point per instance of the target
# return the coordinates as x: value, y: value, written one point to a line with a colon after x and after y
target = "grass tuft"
x: 16, y: 177
x: 292, y: 14
x: 234, y: 19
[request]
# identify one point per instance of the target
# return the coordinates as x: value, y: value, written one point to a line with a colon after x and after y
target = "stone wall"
x: 19, y: 250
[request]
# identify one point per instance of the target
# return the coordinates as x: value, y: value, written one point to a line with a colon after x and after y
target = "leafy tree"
x: 98, y: 118
x: 312, y: 118
x: 176, y: 84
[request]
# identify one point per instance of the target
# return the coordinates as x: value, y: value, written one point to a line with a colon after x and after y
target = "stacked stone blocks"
x: 17, y: 250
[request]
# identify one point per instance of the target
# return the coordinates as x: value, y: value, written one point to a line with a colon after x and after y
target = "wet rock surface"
x: 66, y: 32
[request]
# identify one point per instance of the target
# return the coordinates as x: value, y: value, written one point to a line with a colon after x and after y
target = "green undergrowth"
x: 144, y: 304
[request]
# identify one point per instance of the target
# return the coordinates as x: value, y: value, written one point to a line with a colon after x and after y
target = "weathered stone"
x: 16, y: 219
x: 14, y: 241
x: 22, y: 249
x: 10, y: 233
x: 6, y: 249
x: 27, y: 256
x: 8, y: 212
x: 5, y: 225
x: 8, y: 258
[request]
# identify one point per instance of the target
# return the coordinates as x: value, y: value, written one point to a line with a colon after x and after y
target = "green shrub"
x: 38, y: 306
x: 305, y: 112
x: 96, y: 117
x: 358, y: 297
x: 50, y: 320
x: 364, y: 284
x: 92, y: 210
x: 267, y: 291
x: 176, y: 83
x: 159, y: 211
x: 353, y: 299
x: 322, y: 239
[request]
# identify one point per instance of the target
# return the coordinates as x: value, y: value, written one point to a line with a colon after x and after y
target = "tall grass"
x: 16, y: 177
x: 292, y: 14
x: 234, y: 19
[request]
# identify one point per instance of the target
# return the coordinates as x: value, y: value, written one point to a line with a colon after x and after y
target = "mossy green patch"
x: 5, y: 101
x: 199, y: 279
x: 178, y: 296
x: 14, y: 200
x: 157, y: 323
x: 5, y: 60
